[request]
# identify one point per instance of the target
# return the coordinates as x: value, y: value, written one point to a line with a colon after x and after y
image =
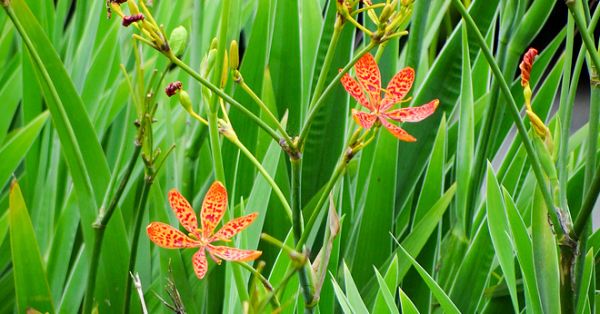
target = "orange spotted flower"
x: 213, y: 208
x: 369, y: 81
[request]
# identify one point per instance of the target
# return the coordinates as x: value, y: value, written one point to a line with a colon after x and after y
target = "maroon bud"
x: 172, y: 88
x: 127, y: 20
x: 119, y: 1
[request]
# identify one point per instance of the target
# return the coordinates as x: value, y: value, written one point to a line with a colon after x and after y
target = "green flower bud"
x: 178, y: 40
x: 234, y: 55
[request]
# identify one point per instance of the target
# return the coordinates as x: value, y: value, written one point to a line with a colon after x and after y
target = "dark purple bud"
x: 172, y: 88
x: 127, y: 20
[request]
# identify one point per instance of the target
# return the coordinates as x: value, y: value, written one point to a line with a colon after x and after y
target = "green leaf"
x: 545, y: 255
x: 500, y: 233
x: 445, y: 302
x: 415, y: 241
x: 387, y: 295
x: 17, y: 146
x: 586, y: 279
x: 31, y: 285
x: 442, y: 82
x: 407, y: 306
x: 341, y: 297
x: 354, y: 297
x: 465, y: 143
x: 524, y: 251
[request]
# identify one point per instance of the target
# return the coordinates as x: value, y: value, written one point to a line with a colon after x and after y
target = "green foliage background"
x: 426, y: 227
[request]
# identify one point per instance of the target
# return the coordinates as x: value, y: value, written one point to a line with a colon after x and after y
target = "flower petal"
x: 168, y: 237
x: 369, y: 77
x: 364, y: 119
x: 397, y: 131
x: 354, y: 89
x: 200, y: 263
x: 233, y: 254
x: 213, y: 207
x: 413, y: 114
x: 234, y: 226
x: 184, y: 212
x: 398, y: 87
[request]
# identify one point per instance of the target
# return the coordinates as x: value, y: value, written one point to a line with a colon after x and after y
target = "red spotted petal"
x: 184, y: 212
x: 413, y: 114
x: 397, y: 131
x: 398, y: 88
x: 354, y: 89
x: 200, y: 263
x: 168, y: 237
x: 364, y: 119
x: 233, y: 254
x: 234, y: 226
x: 213, y: 207
x: 369, y: 77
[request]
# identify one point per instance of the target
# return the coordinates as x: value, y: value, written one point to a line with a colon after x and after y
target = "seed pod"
x: 172, y: 88
x: 128, y: 20
x: 178, y: 40
x: 234, y: 55
x: 186, y: 101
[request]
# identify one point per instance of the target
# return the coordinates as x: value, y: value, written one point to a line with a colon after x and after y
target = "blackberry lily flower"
x: 213, y: 208
x: 369, y: 81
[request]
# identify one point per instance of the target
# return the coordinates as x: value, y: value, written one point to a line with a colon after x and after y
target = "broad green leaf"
x: 586, y: 279
x: 500, y: 233
x: 17, y: 146
x: 545, y: 255
x: 391, y: 282
x: 354, y: 297
x: 415, y: 241
x: 341, y: 297
x: 387, y: 295
x: 465, y: 143
x: 407, y: 306
x: 31, y: 285
x: 524, y: 251
x: 443, y: 82
x: 474, y: 272
x: 441, y: 296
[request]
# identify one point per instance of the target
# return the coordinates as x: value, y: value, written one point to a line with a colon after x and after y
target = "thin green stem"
x: 585, y: 35
x: 337, y: 30
x: 321, y: 101
x: 213, y: 88
x: 514, y: 111
x: 295, y: 197
x: 297, y: 226
x: 592, y: 139
x: 266, y: 175
x: 266, y: 110
x: 215, y: 147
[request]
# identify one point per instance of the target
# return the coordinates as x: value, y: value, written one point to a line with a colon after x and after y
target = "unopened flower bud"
x: 234, y: 55
x: 214, y: 43
x: 172, y: 88
x: 526, y: 65
x: 128, y: 20
x: 178, y: 40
